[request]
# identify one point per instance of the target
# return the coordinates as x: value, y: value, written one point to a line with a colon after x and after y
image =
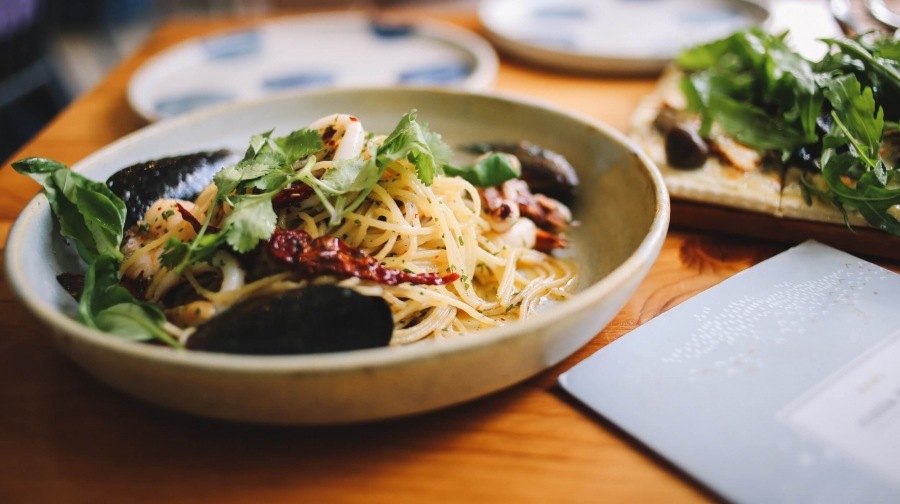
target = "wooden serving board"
x: 867, y: 242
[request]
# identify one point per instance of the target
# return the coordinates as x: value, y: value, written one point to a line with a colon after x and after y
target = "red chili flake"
x: 327, y: 255
x: 291, y: 195
x: 328, y: 134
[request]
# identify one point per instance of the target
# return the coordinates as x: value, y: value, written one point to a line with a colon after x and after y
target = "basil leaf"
x: 109, y: 307
x: 491, y: 170
x: 88, y: 212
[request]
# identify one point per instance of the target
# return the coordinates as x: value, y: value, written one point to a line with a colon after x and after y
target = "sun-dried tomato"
x: 328, y: 255
x: 291, y: 195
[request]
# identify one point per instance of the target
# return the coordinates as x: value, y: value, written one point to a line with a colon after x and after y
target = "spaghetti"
x: 438, y: 248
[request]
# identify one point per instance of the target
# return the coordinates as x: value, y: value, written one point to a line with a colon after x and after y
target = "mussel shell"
x: 312, y: 319
x: 545, y: 171
x: 181, y: 177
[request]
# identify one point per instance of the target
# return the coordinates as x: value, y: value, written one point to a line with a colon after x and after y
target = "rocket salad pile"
x: 836, y: 117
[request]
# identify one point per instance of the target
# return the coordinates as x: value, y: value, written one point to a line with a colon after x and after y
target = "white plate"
x: 321, y: 50
x: 613, y: 36
x: 624, y: 214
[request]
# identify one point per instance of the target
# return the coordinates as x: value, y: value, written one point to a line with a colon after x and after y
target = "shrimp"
x: 142, y: 247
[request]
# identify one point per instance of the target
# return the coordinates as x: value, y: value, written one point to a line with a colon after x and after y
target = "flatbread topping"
x: 747, y: 122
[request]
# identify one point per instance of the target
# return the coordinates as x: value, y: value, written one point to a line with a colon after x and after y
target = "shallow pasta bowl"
x: 622, y: 206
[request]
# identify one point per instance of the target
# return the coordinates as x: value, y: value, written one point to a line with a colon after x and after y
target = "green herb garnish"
x: 87, y: 211
x: 757, y: 89
x: 491, y: 170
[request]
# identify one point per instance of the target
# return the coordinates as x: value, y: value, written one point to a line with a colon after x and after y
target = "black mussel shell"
x: 313, y: 319
x: 546, y: 172
x: 181, y: 177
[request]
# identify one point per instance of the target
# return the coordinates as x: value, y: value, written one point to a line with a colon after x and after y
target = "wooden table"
x: 65, y: 437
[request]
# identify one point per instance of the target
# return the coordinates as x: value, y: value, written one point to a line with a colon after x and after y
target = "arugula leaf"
x: 751, y: 126
x: 878, y: 66
x: 756, y: 88
x: 491, y: 170
x: 88, y: 212
x: 859, y: 119
x: 869, y: 196
x: 859, y: 123
x: 767, y: 96
x: 109, y: 307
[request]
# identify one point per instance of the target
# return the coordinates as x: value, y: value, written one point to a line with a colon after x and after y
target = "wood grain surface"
x: 66, y: 438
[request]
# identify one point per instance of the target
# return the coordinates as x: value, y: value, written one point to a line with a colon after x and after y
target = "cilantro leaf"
x: 299, y: 144
x: 344, y: 187
x: 337, y: 186
x: 252, y: 219
x: 250, y: 185
x: 348, y: 175
x: 258, y: 143
x: 177, y: 254
x: 410, y: 140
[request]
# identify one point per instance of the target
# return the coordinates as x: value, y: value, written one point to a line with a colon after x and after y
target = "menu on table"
x: 780, y: 384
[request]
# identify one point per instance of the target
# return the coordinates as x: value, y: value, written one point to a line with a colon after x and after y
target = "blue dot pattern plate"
x: 611, y: 36
x: 303, y: 52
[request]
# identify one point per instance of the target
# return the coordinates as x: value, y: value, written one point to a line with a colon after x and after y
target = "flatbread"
x: 794, y: 206
x: 715, y: 182
x: 768, y: 190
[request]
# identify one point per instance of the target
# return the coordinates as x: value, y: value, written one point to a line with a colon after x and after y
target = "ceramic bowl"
x: 623, y: 209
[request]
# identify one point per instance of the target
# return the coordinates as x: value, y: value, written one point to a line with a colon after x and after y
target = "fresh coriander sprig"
x: 248, y: 186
